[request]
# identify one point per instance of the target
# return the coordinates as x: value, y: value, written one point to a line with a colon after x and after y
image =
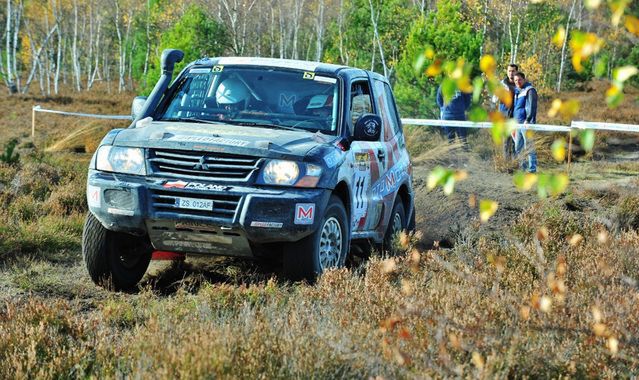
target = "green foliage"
x: 196, y: 34
x: 358, y: 46
x: 451, y: 37
x: 9, y: 156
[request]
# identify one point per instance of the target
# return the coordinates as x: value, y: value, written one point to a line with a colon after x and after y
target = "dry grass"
x: 540, y: 303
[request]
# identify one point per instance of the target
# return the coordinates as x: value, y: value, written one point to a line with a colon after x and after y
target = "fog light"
x: 121, y: 199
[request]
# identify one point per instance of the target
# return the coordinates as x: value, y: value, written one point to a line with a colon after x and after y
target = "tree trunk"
x: 563, y: 48
x: 320, y: 31
x: 517, y: 40
x: 74, y: 49
x: 510, y: 30
x: 374, y: 19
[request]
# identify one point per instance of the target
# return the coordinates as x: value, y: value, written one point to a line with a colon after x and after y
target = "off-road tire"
x: 301, y: 259
x: 394, y: 227
x: 104, y: 258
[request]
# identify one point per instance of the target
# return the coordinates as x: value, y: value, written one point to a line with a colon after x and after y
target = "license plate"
x: 194, y: 204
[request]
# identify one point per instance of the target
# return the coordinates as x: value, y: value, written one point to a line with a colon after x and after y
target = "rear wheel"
x: 396, y: 224
x: 115, y: 260
x: 325, y: 248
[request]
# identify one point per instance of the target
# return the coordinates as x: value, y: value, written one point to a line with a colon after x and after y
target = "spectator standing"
x: 525, y: 112
x: 454, y: 110
x: 506, y: 110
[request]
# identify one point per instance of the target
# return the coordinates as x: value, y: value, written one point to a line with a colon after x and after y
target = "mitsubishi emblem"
x: 202, y: 164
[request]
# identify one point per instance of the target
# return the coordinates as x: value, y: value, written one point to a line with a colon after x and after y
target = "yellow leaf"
x: 624, y: 73
x: 524, y: 181
x: 434, y: 69
x: 575, y: 240
x: 559, y: 37
x: 558, y: 184
x: 478, y: 360
x: 569, y: 109
x: 430, y: 53
x: 613, y: 345
x: 597, y: 315
x: 592, y: 4
x: 461, y: 175
x: 488, y: 65
x: 554, y: 108
x: 559, y: 150
x: 545, y: 304
x: 504, y: 96
x: 576, y: 62
x: 632, y: 24
x: 487, y: 208
x: 599, y: 329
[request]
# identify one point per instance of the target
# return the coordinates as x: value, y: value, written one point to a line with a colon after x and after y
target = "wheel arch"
x: 405, y: 197
x: 343, y: 193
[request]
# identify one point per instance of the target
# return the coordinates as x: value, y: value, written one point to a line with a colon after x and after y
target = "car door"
x: 368, y: 161
x: 395, y: 160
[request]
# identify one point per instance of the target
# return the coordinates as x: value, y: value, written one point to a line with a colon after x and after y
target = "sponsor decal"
x: 93, y: 196
x: 266, y: 224
x: 309, y: 75
x: 211, y: 140
x: 361, y: 182
x: 271, y: 62
x: 390, y: 181
x: 286, y: 102
x: 200, y: 71
x: 325, y: 79
x: 332, y: 159
x: 218, y: 68
x: 304, y: 213
x: 175, y: 184
x: 362, y: 161
x: 370, y: 127
x: 194, y: 186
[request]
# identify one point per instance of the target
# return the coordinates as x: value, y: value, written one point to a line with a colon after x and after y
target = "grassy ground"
x: 547, y: 288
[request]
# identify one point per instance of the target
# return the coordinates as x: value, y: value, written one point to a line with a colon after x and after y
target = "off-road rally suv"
x: 249, y: 156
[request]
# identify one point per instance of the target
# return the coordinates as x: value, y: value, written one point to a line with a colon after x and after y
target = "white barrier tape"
x: 114, y: 117
x: 429, y: 122
x: 594, y: 125
x: 485, y: 125
x: 605, y: 126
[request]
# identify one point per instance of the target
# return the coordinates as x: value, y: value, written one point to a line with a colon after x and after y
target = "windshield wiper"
x: 193, y: 120
x: 256, y: 124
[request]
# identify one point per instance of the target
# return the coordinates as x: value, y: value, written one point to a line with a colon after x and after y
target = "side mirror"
x: 137, y: 105
x: 368, y: 128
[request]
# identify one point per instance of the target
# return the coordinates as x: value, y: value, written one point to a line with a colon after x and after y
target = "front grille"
x: 219, y: 166
x: 224, y: 206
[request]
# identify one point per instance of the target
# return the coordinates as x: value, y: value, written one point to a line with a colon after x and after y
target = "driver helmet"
x: 232, y: 95
x: 320, y: 105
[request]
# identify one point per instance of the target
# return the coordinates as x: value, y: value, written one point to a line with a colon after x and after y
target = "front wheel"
x: 115, y: 260
x: 325, y: 248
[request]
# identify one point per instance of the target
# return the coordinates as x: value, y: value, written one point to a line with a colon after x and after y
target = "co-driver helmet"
x: 232, y: 94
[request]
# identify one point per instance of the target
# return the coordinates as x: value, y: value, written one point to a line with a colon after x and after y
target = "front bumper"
x: 242, y: 217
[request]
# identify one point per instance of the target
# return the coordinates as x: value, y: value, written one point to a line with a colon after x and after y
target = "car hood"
x: 255, y: 141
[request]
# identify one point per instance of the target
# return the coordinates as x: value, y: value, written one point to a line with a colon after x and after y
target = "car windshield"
x: 259, y: 97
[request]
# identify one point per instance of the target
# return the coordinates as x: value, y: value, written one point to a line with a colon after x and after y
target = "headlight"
x: 120, y: 160
x: 278, y: 172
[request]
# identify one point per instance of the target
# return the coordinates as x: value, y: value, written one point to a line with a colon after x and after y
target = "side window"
x: 360, y: 101
x: 387, y: 110
x: 392, y: 110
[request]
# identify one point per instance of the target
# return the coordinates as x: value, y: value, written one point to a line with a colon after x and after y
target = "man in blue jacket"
x: 525, y: 112
x: 454, y: 110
